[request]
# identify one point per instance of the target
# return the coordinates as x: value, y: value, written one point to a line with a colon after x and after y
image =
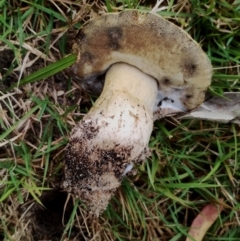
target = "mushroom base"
x: 93, y: 172
x: 112, y: 137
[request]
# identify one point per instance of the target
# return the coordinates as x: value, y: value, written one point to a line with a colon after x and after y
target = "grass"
x: 192, y: 163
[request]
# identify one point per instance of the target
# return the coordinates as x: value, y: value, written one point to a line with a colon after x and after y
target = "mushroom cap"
x: 148, y: 42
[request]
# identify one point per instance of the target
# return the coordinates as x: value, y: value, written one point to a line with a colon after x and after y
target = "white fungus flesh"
x: 112, y: 137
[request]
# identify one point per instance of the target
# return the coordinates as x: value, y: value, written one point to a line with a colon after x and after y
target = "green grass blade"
x: 48, y: 70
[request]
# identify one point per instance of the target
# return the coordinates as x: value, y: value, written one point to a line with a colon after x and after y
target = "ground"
x: 192, y: 162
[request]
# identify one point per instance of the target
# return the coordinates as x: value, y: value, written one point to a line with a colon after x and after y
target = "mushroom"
x: 151, y: 65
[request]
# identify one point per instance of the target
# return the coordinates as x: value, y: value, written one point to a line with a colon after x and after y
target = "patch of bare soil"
x: 6, y: 59
x: 48, y: 221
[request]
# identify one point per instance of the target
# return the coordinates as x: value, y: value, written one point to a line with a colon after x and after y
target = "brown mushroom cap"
x: 150, y: 43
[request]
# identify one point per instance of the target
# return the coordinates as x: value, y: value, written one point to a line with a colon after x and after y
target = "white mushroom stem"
x: 112, y: 136
x: 124, y: 111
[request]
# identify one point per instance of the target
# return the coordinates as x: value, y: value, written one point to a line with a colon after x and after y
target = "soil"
x: 49, y: 221
x: 6, y: 59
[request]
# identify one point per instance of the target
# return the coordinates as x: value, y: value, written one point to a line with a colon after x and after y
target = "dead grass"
x: 192, y: 162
